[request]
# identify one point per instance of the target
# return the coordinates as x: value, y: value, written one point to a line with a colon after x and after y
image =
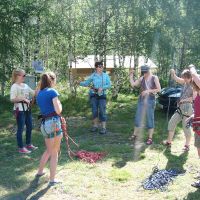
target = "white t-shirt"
x: 21, y: 91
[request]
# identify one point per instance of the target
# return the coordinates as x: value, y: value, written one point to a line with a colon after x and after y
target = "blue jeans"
x: 98, y: 108
x: 145, y: 112
x: 24, y: 118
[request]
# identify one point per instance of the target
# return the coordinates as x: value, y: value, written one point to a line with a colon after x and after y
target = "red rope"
x: 88, y: 156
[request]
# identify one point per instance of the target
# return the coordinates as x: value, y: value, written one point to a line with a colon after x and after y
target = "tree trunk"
x: 182, y: 53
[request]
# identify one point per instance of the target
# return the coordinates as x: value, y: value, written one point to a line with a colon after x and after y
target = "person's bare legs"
x: 150, y: 133
x: 175, y: 119
x: 43, y: 161
x: 187, y: 139
x: 198, y: 150
x: 54, y: 148
x: 95, y: 122
x: 170, y: 136
x: 135, y: 132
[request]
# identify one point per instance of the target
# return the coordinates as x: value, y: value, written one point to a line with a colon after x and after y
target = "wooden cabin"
x: 82, y: 67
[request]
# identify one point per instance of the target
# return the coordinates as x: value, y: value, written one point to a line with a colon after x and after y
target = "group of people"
x: 188, y: 106
x: 98, y: 82
x: 47, y: 98
x: 50, y: 107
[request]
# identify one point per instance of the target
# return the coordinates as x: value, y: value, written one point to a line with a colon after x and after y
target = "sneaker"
x: 149, y: 141
x: 102, y: 131
x: 24, y: 150
x: 196, y: 184
x: 94, y: 129
x: 186, y: 148
x: 197, y: 176
x: 31, y: 147
x: 40, y: 175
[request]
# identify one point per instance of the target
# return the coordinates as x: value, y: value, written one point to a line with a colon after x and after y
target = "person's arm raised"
x: 176, y: 78
x: 132, y: 82
x: 195, y: 76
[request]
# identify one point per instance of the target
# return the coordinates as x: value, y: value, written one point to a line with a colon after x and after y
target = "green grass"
x: 118, y: 176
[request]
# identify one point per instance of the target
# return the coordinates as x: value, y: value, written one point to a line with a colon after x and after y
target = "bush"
x: 163, y: 82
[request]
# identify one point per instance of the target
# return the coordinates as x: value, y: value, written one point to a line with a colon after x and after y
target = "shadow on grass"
x: 14, y: 167
x: 40, y: 193
x: 193, y: 195
x: 33, y: 186
x: 121, y: 162
x: 175, y: 161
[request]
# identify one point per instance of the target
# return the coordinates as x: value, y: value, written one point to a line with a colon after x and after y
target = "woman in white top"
x: 20, y: 95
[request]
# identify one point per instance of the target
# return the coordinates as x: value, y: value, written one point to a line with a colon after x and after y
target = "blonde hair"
x: 15, y: 73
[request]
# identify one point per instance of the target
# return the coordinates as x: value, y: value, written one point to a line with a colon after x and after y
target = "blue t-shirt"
x: 45, y: 100
x: 97, y: 81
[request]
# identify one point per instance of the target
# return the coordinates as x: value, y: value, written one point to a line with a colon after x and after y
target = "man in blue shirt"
x: 99, y: 82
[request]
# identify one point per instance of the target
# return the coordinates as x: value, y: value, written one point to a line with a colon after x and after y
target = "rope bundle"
x: 90, y: 157
x: 160, y: 179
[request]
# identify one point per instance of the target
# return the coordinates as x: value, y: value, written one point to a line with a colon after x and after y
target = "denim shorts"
x: 145, y: 112
x: 51, y: 127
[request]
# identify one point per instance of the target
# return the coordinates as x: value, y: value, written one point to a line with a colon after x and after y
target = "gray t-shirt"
x: 187, y: 91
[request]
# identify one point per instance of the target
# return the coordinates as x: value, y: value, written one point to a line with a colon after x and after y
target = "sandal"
x: 186, y: 148
x: 133, y: 137
x: 167, y: 144
x: 149, y: 141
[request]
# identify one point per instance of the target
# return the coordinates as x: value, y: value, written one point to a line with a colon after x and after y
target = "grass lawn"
x: 118, y: 176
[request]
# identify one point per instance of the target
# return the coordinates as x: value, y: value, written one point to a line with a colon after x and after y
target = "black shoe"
x: 94, y: 129
x: 39, y: 175
x: 102, y: 131
x: 55, y: 182
x: 196, y: 184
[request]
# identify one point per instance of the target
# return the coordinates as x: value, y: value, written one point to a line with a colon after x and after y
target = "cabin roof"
x: 126, y: 62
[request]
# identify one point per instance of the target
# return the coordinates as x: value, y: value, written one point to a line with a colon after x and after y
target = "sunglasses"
x: 100, y: 66
x: 23, y: 75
